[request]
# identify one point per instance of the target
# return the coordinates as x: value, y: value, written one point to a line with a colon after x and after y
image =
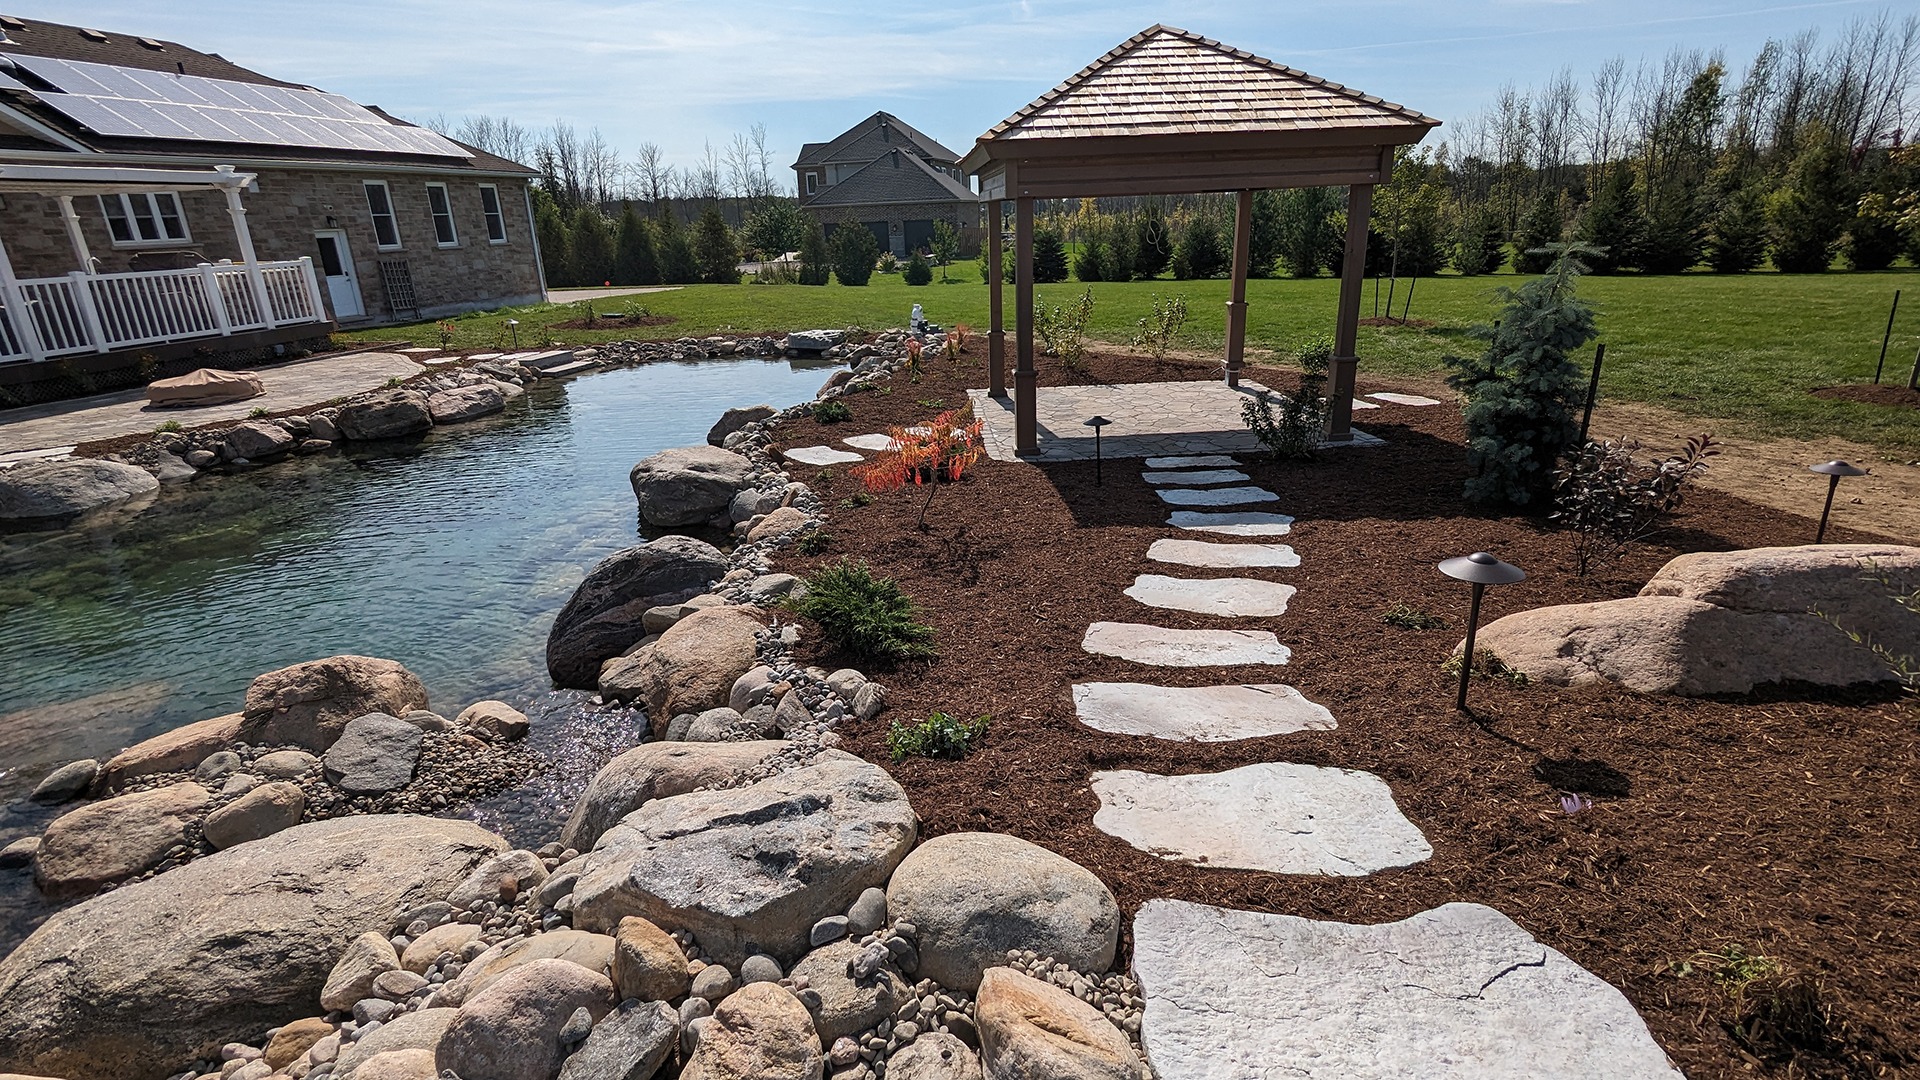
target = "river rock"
x: 934, y: 1056
x: 169, y: 969
x: 603, y: 618
x: 463, y: 403
x: 35, y: 490
x: 284, y: 765
x: 388, y: 415
x: 755, y: 865
x: 734, y: 419
x: 1726, y: 622
x: 399, y: 1065
x: 1030, y: 1030
x: 760, y: 1032
x: 422, y: 951
x: 511, y: 1030
x: 421, y: 1030
x: 692, y: 668
x: 592, y: 952
x: 263, y: 811
x: 647, y: 963
x: 846, y: 1005
x: 171, y: 751
x: 657, y: 771
x: 19, y: 853
x: 309, y: 704
x: 292, y: 1041
x: 630, y: 1044
x: 725, y: 725
x: 370, y: 956
x: 753, y: 503
x: 750, y: 689
x: 494, y: 719
x: 107, y: 842
x: 375, y: 753
x: 689, y: 485
x: 869, y: 913
x: 974, y: 896
x: 488, y: 881
x: 257, y: 439
x: 778, y: 523
x: 66, y: 783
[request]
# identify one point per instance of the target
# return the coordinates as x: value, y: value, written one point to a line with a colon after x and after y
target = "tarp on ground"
x: 205, y: 386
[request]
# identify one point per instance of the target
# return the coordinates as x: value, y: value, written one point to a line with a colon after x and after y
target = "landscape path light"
x: 1096, y: 424
x: 1479, y: 570
x: 1833, y: 471
x: 513, y: 327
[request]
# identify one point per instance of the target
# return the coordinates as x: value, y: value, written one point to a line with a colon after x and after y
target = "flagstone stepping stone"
x: 1198, y: 713
x: 1192, y: 461
x: 821, y: 455
x: 1404, y: 399
x: 1363, y: 403
x: 1280, y: 817
x: 870, y: 442
x: 1231, y: 597
x: 1233, y: 522
x: 1163, y: 647
x: 1202, y: 553
x: 1455, y: 993
x: 486, y: 356
x: 417, y: 350
x: 1216, y: 496
x: 1198, y: 476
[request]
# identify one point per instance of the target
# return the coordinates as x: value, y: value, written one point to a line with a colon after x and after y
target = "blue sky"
x: 677, y: 73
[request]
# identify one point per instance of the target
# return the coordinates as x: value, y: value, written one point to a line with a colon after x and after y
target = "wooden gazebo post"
x: 1026, y: 422
x: 996, y: 333
x: 1346, y: 327
x: 1237, y: 303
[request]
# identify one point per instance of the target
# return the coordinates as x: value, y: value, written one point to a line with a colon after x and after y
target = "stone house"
x: 883, y: 174
x: 154, y: 197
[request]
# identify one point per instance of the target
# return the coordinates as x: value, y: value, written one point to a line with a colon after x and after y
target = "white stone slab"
x: 1229, y: 597
x: 1232, y: 496
x: 1233, y: 522
x: 1363, y: 403
x: 1192, y: 461
x: 1455, y: 993
x: 1163, y: 647
x: 486, y: 356
x: 1279, y: 817
x: 417, y: 350
x: 1223, y: 556
x: 1196, y: 476
x: 1404, y: 399
x: 821, y: 455
x: 870, y: 442
x: 1198, y: 713
x: 440, y: 361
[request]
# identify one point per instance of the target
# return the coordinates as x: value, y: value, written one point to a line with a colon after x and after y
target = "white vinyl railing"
x: 47, y: 318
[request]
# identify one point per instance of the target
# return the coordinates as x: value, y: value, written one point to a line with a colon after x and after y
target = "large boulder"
x: 258, y: 439
x: 690, y: 485
x: 760, y: 1032
x: 657, y: 770
x: 603, y: 617
x: 128, y: 984
x: 1030, y: 1030
x: 511, y: 1030
x: 974, y: 896
x: 751, y: 868
x: 734, y: 419
x: 36, y: 490
x: 309, y: 704
x: 388, y: 415
x: 171, y: 751
x: 691, y: 669
x: 463, y: 403
x: 1726, y: 622
x: 110, y: 841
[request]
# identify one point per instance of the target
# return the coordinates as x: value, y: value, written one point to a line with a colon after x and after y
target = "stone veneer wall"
x: 293, y: 204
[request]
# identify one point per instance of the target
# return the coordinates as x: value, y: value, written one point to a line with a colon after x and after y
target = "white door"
x: 336, y: 262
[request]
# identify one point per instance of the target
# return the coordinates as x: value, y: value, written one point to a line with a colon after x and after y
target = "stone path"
x: 1202, y: 553
x: 1192, y: 461
x: 1414, y: 400
x: 1455, y: 993
x: 821, y: 455
x: 1278, y: 817
x: 870, y: 442
x: 1233, y: 523
x: 1184, y: 648
x: 1227, y: 597
x: 1152, y: 420
x: 1204, y: 476
x: 1198, y: 713
x: 1234, y: 496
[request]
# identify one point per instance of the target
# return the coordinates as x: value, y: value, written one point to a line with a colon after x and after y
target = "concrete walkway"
x: 1168, y: 419
x: 125, y: 412
x: 568, y: 296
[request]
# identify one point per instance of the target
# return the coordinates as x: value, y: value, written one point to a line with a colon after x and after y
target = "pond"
x: 450, y: 554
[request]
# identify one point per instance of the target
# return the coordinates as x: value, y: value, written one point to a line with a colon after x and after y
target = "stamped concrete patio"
x: 1149, y: 420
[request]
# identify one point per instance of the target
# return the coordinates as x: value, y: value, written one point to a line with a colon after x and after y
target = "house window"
x: 812, y: 180
x: 444, y: 233
x: 490, y: 208
x: 134, y: 220
x: 386, y: 231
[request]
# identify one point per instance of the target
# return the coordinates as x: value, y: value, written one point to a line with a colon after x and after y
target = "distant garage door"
x: 920, y: 235
x: 879, y: 231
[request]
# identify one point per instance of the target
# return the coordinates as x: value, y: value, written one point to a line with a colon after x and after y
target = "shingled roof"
x: 1167, y: 81
x: 871, y: 138
x: 895, y: 177
x: 35, y: 37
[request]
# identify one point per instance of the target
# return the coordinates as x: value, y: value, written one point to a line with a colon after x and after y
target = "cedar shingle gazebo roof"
x: 1169, y: 112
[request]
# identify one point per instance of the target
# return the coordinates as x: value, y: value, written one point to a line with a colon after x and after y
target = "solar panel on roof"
x: 139, y: 104
x: 8, y: 82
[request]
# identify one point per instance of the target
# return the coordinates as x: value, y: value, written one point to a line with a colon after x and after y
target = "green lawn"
x: 1742, y: 348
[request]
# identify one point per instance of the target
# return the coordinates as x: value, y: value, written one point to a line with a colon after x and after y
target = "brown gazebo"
x: 1174, y: 113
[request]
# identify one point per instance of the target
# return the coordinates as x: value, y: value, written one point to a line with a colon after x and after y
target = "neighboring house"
x: 154, y: 197
x: 890, y: 178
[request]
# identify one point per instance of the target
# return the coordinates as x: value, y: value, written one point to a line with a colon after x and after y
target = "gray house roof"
x: 895, y: 178
x: 869, y: 139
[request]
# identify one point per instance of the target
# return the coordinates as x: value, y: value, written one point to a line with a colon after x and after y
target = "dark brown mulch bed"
x: 1872, y: 394
x: 616, y: 321
x: 1781, y: 823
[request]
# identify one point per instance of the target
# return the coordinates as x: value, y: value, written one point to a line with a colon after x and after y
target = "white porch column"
x: 239, y: 215
x: 17, y: 314
x: 75, y: 235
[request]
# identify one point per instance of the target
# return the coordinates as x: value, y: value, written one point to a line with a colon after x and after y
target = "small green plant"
x: 946, y: 245
x: 1157, y: 331
x: 814, y: 542
x: 1486, y: 665
x: 1063, y: 330
x: 1774, y: 1009
x: 170, y: 425
x: 930, y: 403
x: 856, y: 500
x: 938, y: 736
x: 832, y: 412
x: 914, y: 351
x: 1905, y: 668
x: 447, y: 331
x: 1408, y: 617
x: 635, y: 310
x: 395, y: 382
x: 889, y: 264
x: 918, y: 272
x: 864, y: 615
x: 1296, y: 432
x: 584, y: 310
x: 258, y: 413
